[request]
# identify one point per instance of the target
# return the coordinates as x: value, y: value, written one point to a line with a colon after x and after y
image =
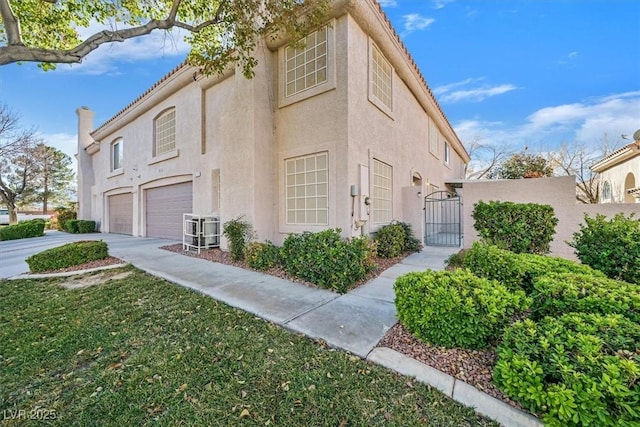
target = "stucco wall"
x: 617, y: 176
x: 559, y: 192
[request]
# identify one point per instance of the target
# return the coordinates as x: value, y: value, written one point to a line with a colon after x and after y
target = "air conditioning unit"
x: 200, y: 232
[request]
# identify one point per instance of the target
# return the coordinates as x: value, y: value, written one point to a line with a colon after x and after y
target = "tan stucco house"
x: 343, y: 132
x: 619, y: 174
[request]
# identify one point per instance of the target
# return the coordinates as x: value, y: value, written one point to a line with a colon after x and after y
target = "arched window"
x: 164, y: 137
x: 629, y: 184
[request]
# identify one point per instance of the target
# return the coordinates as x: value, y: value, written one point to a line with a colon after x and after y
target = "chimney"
x: 85, y: 165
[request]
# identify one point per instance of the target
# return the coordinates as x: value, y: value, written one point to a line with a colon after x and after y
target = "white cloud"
x: 569, y: 59
x: 458, y: 91
x: 439, y: 4
x: 586, y: 122
x: 414, y: 21
x: 388, y: 3
x: 105, y: 59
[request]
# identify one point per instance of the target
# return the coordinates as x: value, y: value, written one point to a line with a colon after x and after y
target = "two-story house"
x: 341, y: 132
x: 619, y: 174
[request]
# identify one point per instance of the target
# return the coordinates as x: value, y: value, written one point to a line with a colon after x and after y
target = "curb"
x: 458, y: 390
x: 67, y: 273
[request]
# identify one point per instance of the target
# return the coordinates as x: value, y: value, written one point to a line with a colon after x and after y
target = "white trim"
x: 166, y: 156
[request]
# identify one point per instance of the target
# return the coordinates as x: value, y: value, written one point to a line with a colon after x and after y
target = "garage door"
x: 165, y: 206
x: 121, y: 213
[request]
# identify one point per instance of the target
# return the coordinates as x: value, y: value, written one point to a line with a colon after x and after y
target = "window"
x: 382, y: 192
x: 380, y: 79
x: 165, y: 132
x: 434, y: 145
x: 306, y: 186
x: 447, y: 153
x: 306, y: 66
x: 116, y: 154
x: 606, y: 191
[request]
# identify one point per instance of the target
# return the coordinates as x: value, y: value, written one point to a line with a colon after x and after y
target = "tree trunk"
x: 13, y: 213
x: 45, y: 190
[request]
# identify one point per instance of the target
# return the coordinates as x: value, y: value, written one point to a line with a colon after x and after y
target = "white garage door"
x: 121, y: 213
x: 164, y: 209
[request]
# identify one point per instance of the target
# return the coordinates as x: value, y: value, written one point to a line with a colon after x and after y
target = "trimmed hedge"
x: 390, y: 240
x: 557, y: 294
x: 576, y: 370
x: 455, y: 309
x: 68, y: 255
x: 22, y: 230
x: 72, y: 226
x: 327, y: 260
x: 518, y: 271
x: 518, y: 227
x: 86, y: 226
x: 611, y: 246
x: 262, y: 256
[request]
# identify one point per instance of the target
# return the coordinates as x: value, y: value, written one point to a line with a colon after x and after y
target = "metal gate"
x: 442, y: 223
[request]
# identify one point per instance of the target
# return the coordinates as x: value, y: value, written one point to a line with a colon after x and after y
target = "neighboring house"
x: 619, y: 174
x: 343, y: 132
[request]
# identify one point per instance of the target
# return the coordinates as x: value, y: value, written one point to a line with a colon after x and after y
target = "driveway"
x: 14, y: 252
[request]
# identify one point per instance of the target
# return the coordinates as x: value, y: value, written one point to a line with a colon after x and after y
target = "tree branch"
x: 11, y: 24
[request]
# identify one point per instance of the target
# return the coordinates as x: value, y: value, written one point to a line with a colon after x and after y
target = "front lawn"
x: 137, y: 350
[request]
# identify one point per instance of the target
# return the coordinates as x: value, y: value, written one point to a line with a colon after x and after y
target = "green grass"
x: 142, y: 351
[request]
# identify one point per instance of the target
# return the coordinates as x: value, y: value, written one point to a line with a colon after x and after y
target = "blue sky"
x: 535, y: 73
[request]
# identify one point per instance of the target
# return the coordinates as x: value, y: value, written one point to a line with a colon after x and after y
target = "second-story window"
x: 306, y: 66
x: 380, y: 78
x: 165, y: 132
x: 116, y: 154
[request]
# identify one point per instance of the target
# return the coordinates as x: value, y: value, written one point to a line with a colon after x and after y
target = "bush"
x: 411, y: 243
x: 262, y: 256
x: 518, y: 227
x: 63, y: 215
x: 518, y: 271
x: 457, y: 260
x: 612, y: 247
x: 579, y: 369
x: 22, y: 230
x: 390, y: 240
x: 238, y: 232
x: 327, y: 260
x: 556, y: 294
x: 455, y: 309
x: 72, y: 226
x: 86, y: 226
x: 68, y: 255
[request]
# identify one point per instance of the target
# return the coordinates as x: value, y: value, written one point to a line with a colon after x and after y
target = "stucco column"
x: 86, y: 178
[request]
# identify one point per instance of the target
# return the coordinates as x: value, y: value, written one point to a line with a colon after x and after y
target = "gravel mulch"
x: 474, y: 367
x: 110, y: 260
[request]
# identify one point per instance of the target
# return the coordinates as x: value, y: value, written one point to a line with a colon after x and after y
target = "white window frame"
x: 311, y: 66
x: 380, y: 80
x: 382, y: 192
x: 116, y: 154
x: 447, y: 153
x: 162, y: 143
x: 606, y: 188
x: 306, y: 190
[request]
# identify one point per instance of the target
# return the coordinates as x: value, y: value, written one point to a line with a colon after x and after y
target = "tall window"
x: 306, y: 186
x: 606, y: 191
x: 306, y: 66
x: 382, y: 192
x: 434, y: 145
x: 116, y: 154
x: 165, y: 132
x: 447, y: 152
x: 381, y: 78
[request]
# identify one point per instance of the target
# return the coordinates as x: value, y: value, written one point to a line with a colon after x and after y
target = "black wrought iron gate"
x: 442, y: 223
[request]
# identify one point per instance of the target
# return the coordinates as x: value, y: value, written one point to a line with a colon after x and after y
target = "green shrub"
x: 327, y: 260
x: 22, y: 230
x: 68, y: 255
x: 238, y: 232
x: 518, y: 271
x: 611, y: 246
x: 72, y: 226
x: 411, y: 243
x: 262, y: 256
x: 63, y: 215
x: 86, y: 226
x: 455, y: 309
x: 556, y: 294
x: 456, y: 260
x: 518, y: 227
x: 390, y: 240
x: 576, y: 370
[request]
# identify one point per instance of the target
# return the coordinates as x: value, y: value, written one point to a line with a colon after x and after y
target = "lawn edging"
x: 67, y: 273
x: 456, y: 389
